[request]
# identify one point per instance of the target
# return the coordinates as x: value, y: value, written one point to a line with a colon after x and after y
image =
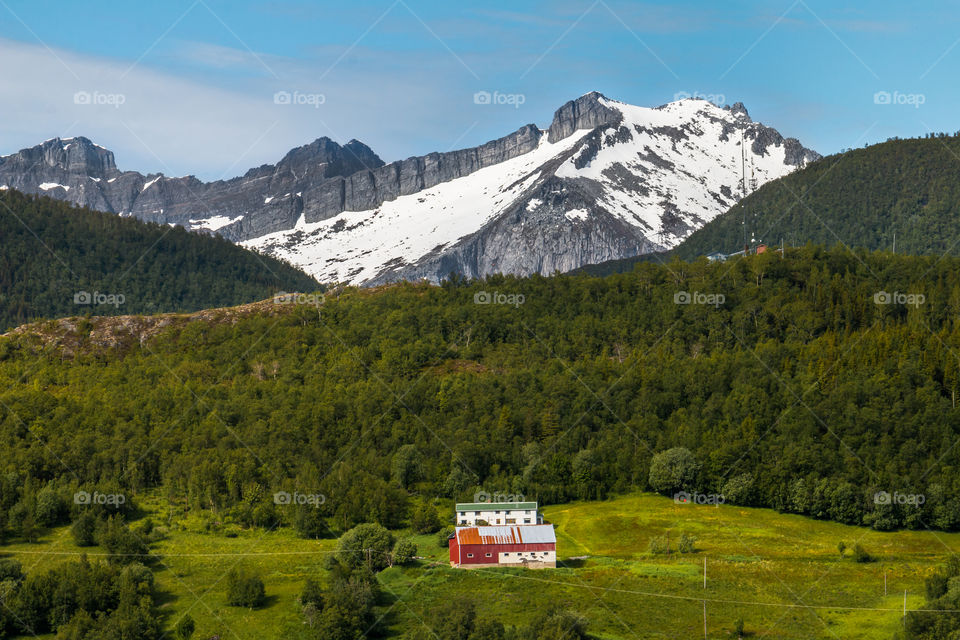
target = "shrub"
x: 443, y: 536
x: 738, y: 628
x: 404, y: 551
x: 860, y: 554
x: 84, y: 529
x: 50, y: 509
x: 425, y: 519
x: 312, y: 594
x: 184, y: 628
x: 659, y: 545
x: 672, y: 470
x: 244, y: 589
x: 123, y: 545
x: 686, y: 544
x: 366, y: 544
x: 308, y: 522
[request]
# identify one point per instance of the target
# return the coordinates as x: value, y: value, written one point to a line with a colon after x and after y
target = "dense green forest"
x: 822, y: 383
x: 795, y: 390
x: 859, y: 198
x: 53, y: 251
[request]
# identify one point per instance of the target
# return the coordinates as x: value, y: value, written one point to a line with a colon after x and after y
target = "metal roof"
x: 510, y: 534
x: 495, y: 506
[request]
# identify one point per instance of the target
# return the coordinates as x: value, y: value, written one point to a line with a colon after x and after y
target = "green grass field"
x: 782, y: 574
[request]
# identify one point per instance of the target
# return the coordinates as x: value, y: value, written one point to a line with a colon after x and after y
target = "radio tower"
x: 743, y: 189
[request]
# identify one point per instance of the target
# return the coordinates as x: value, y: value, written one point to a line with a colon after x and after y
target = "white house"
x: 472, y: 514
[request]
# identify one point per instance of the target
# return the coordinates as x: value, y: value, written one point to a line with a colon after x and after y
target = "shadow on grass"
x: 572, y: 563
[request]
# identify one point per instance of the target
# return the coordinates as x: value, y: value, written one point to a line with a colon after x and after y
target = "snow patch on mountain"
x: 356, y: 245
x: 213, y: 223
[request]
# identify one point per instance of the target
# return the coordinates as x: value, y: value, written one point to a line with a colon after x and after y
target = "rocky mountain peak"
x: 76, y: 155
x: 738, y: 108
x: 586, y: 112
x: 325, y: 157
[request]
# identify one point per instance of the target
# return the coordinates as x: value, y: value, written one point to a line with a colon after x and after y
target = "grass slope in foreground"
x: 781, y: 574
x: 52, y: 251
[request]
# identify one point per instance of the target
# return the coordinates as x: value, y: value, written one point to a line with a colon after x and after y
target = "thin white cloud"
x: 183, y: 124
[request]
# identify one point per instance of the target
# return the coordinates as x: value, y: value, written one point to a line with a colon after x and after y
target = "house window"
x: 507, y: 512
x: 476, y: 513
x: 527, y: 512
x: 498, y: 520
x: 463, y: 522
x: 506, y: 554
x: 526, y: 521
x: 463, y: 513
x: 496, y: 512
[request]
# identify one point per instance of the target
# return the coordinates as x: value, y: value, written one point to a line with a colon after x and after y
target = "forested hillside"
x: 58, y: 260
x: 793, y: 383
x: 860, y: 198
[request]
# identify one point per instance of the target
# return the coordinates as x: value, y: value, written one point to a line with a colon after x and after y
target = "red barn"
x: 532, y: 546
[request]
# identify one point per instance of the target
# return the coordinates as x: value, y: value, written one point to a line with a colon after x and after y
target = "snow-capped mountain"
x: 606, y: 180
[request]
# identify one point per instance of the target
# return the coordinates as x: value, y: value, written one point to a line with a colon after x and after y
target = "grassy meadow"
x: 781, y: 574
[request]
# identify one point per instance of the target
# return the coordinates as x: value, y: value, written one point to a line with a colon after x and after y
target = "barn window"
x: 469, y: 555
x: 489, y: 554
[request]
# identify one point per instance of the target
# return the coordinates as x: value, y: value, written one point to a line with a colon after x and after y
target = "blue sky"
x: 189, y: 86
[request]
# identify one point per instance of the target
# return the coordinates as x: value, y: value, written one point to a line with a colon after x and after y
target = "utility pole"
x: 743, y: 189
x: 904, y: 607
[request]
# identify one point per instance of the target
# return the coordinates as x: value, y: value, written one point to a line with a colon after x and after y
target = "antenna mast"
x: 743, y: 189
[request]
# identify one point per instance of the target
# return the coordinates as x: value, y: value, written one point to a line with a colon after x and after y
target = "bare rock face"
x: 556, y: 227
x: 369, y: 188
x: 61, y: 157
x: 606, y: 180
x: 586, y: 112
